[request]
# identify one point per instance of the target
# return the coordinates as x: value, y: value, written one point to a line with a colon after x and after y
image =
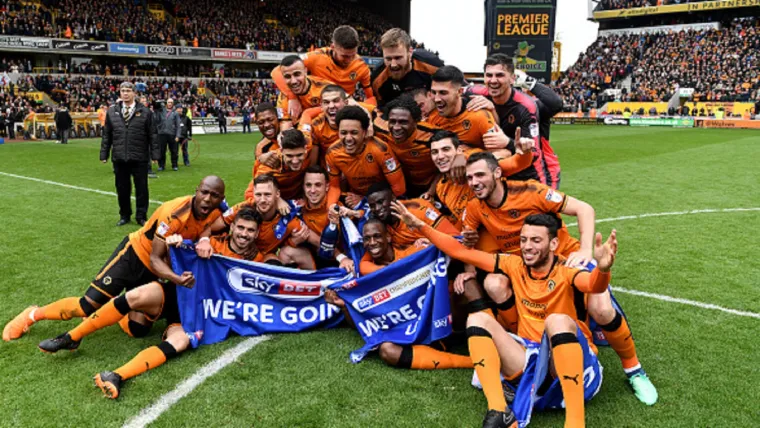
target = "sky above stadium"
x: 454, y: 28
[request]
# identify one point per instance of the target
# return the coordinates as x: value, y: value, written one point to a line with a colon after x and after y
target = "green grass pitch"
x: 53, y: 240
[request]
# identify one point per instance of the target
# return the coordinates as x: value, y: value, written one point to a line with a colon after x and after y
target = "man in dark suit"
x: 128, y: 137
x: 63, y: 124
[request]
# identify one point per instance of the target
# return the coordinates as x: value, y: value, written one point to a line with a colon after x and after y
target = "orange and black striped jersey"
x: 173, y: 217
x: 374, y: 163
x: 289, y: 182
x: 267, y: 241
x: 402, y: 236
x: 414, y: 153
x: 521, y: 199
x: 312, y: 97
x: 424, y: 64
x: 367, y: 265
x: 470, y: 126
x: 221, y: 245
x: 321, y: 64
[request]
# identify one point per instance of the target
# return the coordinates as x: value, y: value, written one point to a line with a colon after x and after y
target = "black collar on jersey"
x: 229, y: 245
x: 503, y: 182
x: 554, y: 264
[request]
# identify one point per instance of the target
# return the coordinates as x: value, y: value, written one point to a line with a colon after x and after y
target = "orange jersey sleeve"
x: 321, y: 64
x: 402, y: 236
x: 516, y: 163
x: 229, y: 215
x: 455, y: 249
x: 471, y: 217
x: 267, y: 242
x: 266, y: 145
x: 282, y: 85
x: 389, y: 165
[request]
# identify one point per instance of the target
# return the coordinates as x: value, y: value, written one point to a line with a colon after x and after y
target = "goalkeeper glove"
x: 523, y: 81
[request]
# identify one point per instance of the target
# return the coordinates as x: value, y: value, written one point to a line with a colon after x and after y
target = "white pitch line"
x: 69, y: 186
x: 672, y: 213
x: 685, y: 302
x: 151, y: 413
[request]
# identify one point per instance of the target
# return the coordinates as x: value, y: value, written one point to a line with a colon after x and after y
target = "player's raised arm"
x: 282, y: 85
x: 604, y: 253
x: 586, y: 223
x: 444, y: 242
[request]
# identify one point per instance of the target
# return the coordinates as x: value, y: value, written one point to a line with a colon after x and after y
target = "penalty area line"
x: 69, y: 186
x: 166, y: 401
x: 670, y: 299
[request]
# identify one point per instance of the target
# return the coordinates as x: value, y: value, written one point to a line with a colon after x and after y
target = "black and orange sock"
x: 111, y: 313
x: 485, y: 359
x: 568, y: 362
x: 423, y: 357
x: 620, y: 338
x: 146, y: 360
x: 479, y: 305
x: 64, y: 309
x: 508, y: 316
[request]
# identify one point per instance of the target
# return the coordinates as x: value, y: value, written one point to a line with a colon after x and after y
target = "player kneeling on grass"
x: 159, y: 300
x: 545, y: 288
x: 380, y: 253
x: 130, y: 264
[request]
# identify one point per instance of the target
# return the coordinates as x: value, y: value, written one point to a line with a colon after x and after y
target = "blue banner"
x: 404, y: 303
x: 127, y: 48
x: 250, y: 299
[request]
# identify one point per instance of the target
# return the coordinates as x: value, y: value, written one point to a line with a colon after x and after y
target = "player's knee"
x: 473, y: 291
x: 390, y: 353
x: 559, y: 323
x: 137, y: 329
x: 146, y: 298
x: 600, y: 308
x: 498, y: 287
x: 478, y: 319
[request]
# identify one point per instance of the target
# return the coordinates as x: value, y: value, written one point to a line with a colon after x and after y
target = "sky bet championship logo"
x: 247, y: 282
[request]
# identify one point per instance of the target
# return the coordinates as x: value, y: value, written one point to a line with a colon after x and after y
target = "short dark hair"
x: 418, y: 91
x: 317, y: 169
x: 353, y: 113
x: 374, y: 220
x: 449, y: 73
x: 290, y: 60
x: 334, y: 88
x: 261, y: 108
x: 549, y: 221
x: 500, y: 59
x: 403, y: 102
x: 248, y: 213
x: 380, y: 186
x: 346, y: 37
x: 490, y: 159
x: 292, y: 139
x: 266, y: 178
x: 444, y: 134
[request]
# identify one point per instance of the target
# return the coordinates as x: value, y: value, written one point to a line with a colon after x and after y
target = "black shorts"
x: 170, y: 309
x: 122, y: 272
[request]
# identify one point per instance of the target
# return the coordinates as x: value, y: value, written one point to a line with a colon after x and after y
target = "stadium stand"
x: 720, y: 64
x: 629, y: 4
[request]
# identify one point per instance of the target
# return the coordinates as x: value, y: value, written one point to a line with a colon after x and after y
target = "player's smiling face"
x: 498, y: 80
x: 244, y: 233
x: 268, y: 124
x: 443, y: 153
x: 294, y: 158
x: 481, y: 179
x: 315, y: 188
x: 295, y: 77
x: 380, y: 205
x: 536, y: 246
x: 401, y: 124
x: 266, y: 195
x: 352, y: 135
x: 425, y: 102
x: 331, y: 103
x: 398, y: 61
x: 375, y: 240
x: 446, y: 96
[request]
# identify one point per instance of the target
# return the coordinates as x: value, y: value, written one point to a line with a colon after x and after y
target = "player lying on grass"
x: 379, y: 254
x: 157, y: 300
x: 500, y: 208
x: 130, y: 264
x: 546, y: 288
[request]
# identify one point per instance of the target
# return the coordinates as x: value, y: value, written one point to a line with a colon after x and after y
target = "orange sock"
x: 485, y: 359
x: 427, y: 358
x: 147, y: 359
x: 64, y: 309
x: 620, y: 338
x: 508, y: 314
x: 568, y: 362
x: 109, y: 314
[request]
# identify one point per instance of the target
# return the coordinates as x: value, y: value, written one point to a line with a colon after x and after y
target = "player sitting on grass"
x: 546, y: 289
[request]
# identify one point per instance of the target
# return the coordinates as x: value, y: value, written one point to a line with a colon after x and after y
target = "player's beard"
x: 540, y: 258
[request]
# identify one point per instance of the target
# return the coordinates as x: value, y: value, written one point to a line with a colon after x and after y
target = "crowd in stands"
x: 629, y: 4
x: 721, y: 65
x: 274, y: 25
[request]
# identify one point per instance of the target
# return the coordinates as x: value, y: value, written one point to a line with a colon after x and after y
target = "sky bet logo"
x: 247, y: 282
x: 373, y: 300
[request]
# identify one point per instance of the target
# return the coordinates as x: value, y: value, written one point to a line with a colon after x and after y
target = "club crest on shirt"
x: 369, y: 158
x: 466, y: 124
x: 513, y: 213
x: 551, y: 284
x: 352, y: 75
x: 511, y: 119
x: 315, y: 101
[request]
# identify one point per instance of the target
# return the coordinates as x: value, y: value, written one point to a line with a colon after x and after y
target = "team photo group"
x: 405, y: 202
